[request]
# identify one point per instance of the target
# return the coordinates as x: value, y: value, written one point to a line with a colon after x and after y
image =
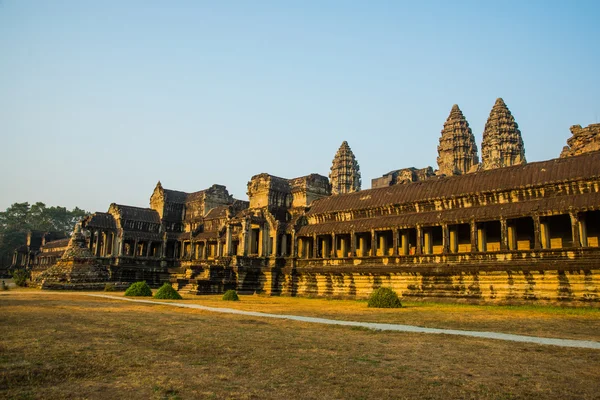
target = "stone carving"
x: 583, y: 140
x: 502, y: 144
x: 345, y: 172
x: 457, y: 152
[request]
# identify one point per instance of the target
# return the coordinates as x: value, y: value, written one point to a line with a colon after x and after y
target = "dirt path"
x: 586, y: 344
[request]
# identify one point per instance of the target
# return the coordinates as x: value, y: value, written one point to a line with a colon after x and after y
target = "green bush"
x: 109, y: 287
x: 231, y: 295
x: 20, y: 277
x: 384, y: 298
x: 166, y: 291
x: 139, y: 289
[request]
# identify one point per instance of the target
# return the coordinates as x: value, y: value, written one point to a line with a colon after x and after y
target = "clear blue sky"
x: 101, y: 99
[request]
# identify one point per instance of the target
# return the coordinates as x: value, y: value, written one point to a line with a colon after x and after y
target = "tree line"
x: 20, y: 218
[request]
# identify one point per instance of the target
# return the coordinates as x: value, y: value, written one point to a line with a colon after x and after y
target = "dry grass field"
x: 73, y: 346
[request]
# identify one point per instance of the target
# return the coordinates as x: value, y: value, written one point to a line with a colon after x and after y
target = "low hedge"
x: 167, y: 292
x: 139, y: 289
x: 384, y: 298
x: 231, y: 295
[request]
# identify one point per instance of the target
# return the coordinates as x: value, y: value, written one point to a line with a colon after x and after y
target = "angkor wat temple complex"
x: 486, y: 226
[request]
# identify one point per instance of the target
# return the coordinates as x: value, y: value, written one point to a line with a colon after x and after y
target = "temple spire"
x: 502, y: 144
x: 457, y: 152
x: 345, y: 172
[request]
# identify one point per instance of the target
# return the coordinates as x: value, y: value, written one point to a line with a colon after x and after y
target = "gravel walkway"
x: 585, y: 344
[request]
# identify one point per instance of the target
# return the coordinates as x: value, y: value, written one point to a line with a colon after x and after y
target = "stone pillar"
x: 333, y: 246
x: 353, y: 244
x: 273, y: 251
x: 97, y: 244
x: 205, y: 250
x: 583, y: 232
x: 544, y: 235
x: 91, y: 240
x: 260, y: 241
x: 383, y: 246
x: 503, y: 235
x: 284, y: 245
x: 473, y: 234
x: 396, y: 235
x: 481, y: 239
x: 301, y: 246
x: 427, y: 245
x: 373, y: 243
x: 363, y: 245
x: 120, y: 246
x: 135, y: 248
x: 419, y: 249
x: 405, y: 247
x: 537, y: 232
x: 314, y: 245
x: 228, y: 240
x: 343, y: 246
x: 512, y: 237
x: 445, y: 239
x: 325, y: 250
x: 575, y: 229
x: 219, y: 248
x: 149, y: 249
x: 453, y: 240
x: 294, y: 244
x: 163, y: 247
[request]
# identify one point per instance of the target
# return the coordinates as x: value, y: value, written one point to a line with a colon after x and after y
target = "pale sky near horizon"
x: 100, y: 100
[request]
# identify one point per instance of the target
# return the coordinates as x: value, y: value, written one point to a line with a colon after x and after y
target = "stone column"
x: 343, y: 247
x: 333, y: 246
x: 135, y: 248
x: 373, y: 243
x: 537, y: 232
x: 294, y: 244
x: 353, y: 244
x: 325, y: 250
x: 583, y: 232
x: 273, y: 251
x: 260, y: 241
x: 503, y: 235
x: 575, y: 229
x: 395, y: 242
x: 427, y: 245
x: 97, y: 244
x: 453, y: 240
x: 149, y: 249
x: 473, y: 234
x: 481, y: 239
x: 419, y: 249
x: 363, y: 245
x: 219, y: 248
x: 382, y: 246
x: 544, y: 235
x: 284, y: 252
x: 512, y: 237
x: 204, y: 250
x: 445, y: 239
x: 228, y: 240
x: 314, y: 245
x: 300, y: 247
x: 405, y: 247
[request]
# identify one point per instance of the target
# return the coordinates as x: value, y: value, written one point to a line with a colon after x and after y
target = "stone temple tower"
x: 457, y: 152
x: 502, y: 144
x: 345, y: 172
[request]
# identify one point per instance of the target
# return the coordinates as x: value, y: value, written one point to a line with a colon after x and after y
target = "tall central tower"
x: 502, y: 144
x: 345, y: 172
x: 457, y: 152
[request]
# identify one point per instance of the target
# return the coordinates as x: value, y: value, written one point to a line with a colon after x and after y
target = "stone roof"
x: 217, y: 212
x: 57, y: 243
x: 100, y: 220
x: 137, y: 213
x: 527, y: 175
x: 560, y: 204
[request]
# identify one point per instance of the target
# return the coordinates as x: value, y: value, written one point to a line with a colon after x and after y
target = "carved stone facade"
x: 403, y: 176
x: 345, y: 172
x: 520, y: 233
x: 583, y: 140
x: 457, y: 152
x: 502, y: 144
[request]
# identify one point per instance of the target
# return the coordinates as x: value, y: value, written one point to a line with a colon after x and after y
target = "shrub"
x: 139, y: 289
x: 166, y: 291
x: 109, y: 287
x: 231, y: 295
x: 384, y: 298
x: 20, y: 277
